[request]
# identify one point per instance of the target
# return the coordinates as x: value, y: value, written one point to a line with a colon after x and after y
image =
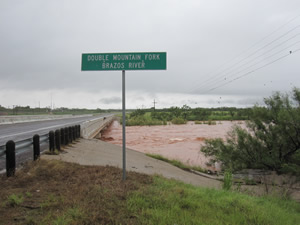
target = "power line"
x: 246, y: 74
x: 232, y: 66
x: 212, y: 79
x: 227, y: 75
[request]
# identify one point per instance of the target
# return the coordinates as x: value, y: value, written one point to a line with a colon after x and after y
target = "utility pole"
x: 154, y: 102
x: 51, y: 104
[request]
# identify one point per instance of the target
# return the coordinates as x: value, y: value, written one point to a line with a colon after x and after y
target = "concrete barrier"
x: 32, y: 118
x: 92, y: 128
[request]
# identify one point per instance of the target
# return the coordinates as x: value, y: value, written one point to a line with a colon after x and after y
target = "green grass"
x: 176, y: 163
x: 15, y: 200
x: 73, y: 194
x: 227, y: 184
x: 172, y: 202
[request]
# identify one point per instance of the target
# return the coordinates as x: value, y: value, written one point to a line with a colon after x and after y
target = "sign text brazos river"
x: 124, y: 61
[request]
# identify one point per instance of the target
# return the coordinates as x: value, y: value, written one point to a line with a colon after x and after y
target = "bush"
x: 143, y: 120
x: 178, y: 120
x: 271, y: 140
x: 198, y: 122
x: 210, y: 122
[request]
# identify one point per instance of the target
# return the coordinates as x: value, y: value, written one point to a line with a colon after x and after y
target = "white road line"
x: 44, y: 128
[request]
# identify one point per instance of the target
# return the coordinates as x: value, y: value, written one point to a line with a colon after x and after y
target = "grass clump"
x: 227, y: 180
x: 15, y: 200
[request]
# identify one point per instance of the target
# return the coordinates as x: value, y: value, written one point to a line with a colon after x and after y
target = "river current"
x: 180, y: 142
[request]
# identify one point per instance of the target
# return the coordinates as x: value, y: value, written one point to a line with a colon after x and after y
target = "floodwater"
x: 180, y: 142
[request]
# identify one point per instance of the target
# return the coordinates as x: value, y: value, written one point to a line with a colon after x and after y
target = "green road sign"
x: 124, y: 61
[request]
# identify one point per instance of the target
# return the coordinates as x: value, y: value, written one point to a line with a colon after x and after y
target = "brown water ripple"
x: 180, y: 142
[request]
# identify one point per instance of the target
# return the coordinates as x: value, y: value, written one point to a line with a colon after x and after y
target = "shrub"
x: 270, y: 141
x: 178, y: 120
x: 210, y: 122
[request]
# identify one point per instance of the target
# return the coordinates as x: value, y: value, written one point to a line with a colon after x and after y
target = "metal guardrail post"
x: 62, y: 136
x: 36, y: 147
x: 70, y: 135
x: 10, y: 158
x: 66, y: 136
x: 74, y: 132
x: 78, y: 131
x: 51, y: 141
x: 57, y: 140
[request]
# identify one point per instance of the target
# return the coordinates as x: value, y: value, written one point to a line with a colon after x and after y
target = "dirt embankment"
x: 52, y: 192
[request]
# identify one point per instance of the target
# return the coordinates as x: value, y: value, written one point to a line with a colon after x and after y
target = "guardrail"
x: 91, y: 128
x: 56, y: 139
x: 31, y: 118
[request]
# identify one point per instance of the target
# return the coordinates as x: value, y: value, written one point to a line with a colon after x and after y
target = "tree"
x: 137, y: 112
x: 185, y: 111
x: 200, y: 113
x: 271, y: 139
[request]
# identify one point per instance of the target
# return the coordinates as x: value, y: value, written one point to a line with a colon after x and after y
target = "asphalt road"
x: 21, y: 131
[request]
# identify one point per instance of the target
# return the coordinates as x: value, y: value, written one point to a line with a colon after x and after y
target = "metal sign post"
x: 124, y: 61
x: 124, y: 125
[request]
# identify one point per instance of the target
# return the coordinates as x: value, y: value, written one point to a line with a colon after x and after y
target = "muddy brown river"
x: 180, y: 142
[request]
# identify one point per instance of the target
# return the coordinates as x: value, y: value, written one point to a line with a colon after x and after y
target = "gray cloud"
x: 207, y: 43
x: 110, y: 100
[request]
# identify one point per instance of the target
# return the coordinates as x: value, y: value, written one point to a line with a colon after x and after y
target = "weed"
x: 51, y: 201
x: 28, y: 194
x: 15, y: 200
x: 62, y: 220
x: 227, y: 180
x: 75, y: 213
x: 239, y: 187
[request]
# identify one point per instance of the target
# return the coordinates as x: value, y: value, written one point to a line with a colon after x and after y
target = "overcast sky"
x: 219, y: 52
